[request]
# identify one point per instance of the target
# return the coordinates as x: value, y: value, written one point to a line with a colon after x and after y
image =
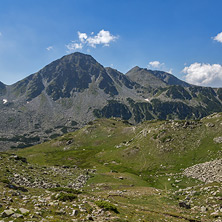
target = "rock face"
x: 145, y: 78
x: 150, y: 78
x: 76, y: 89
x: 206, y: 172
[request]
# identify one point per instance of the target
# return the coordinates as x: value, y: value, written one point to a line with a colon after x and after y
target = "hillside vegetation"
x: 111, y: 170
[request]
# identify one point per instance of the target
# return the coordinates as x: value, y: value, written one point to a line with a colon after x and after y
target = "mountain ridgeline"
x: 76, y: 89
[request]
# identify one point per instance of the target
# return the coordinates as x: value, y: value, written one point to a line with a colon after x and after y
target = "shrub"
x: 65, y: 197
x: 106, y: 206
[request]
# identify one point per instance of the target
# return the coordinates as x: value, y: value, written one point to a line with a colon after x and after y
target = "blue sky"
x: 179, y: 36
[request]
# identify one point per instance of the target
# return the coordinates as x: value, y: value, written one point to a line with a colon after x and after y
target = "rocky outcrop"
x: 206, y: 172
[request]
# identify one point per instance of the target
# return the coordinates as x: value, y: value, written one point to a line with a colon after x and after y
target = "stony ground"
x: 113, y: 171
x: 30, y: 192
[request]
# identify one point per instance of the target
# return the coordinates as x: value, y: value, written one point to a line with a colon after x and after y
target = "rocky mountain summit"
x: 74, y: 90
x: 154, y: 78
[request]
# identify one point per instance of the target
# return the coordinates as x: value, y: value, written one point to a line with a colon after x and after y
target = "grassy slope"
x: 134, y: 159
x: 162, y: 146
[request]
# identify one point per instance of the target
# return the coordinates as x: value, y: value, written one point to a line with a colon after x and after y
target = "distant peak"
x: 134, y: 69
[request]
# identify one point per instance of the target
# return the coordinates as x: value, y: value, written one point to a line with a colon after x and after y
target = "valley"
x: 111, y: 170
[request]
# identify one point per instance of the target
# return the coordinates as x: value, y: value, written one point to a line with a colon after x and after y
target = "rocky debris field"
x: 34, y: 193
x: 207, y: 172
x: 30, y: 192
x: 21, y: 173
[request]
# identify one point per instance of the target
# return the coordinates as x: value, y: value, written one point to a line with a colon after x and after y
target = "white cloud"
x: 170, y: 71
x: 82, y: 36
x: 72, y: 46
x: 103, y: 38
x: 204, y: 74
x: 218, y: 37
x: 155, y: 64
x: 49, y: 48
x: 0, y: 34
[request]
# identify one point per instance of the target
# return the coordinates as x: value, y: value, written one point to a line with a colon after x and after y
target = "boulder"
x: 7, y: 213
x: 24, y: 211
x: 75, y: 213
x: 218, y: 139
x: 203, y: 209
x: 16, y: 215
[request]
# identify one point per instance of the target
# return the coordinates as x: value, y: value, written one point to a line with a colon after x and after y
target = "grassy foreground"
x: 132, y: 173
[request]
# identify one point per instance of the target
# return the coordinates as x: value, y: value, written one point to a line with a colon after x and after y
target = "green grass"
x: 96, y: 146
x: 134, y: 158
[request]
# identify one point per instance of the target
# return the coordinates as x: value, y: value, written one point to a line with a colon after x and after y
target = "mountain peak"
x: 68, y: 75
x: 154, y: 78
x: 75, y: 55
x: 134, y: 69
x: 144, y: 78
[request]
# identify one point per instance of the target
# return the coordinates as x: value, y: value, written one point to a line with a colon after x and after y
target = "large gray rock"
x: 218, y: 139
x: 24, y: 211
x: 7, y: 213
x: 16, y: 215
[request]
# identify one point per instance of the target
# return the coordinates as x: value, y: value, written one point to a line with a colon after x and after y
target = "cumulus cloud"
x: 72, y: 46
x: 204, y: 74
x: 159, y: 66
x: 49, y: 48
x: 82, y: 36
x: 218, y: 37
x: 155, y: 64
x: 101, y: 38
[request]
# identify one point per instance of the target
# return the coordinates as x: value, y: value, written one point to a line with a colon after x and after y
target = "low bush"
x: 65, y: 197
x: 107, y: 206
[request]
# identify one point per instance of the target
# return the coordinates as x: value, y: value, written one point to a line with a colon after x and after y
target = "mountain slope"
x: 145, y: 78
x: 62, y: 95
x: 169, y: 78
x: 74, y: 90
x: 2, y: 88
x: 65, y: 76
x: 150, y: 78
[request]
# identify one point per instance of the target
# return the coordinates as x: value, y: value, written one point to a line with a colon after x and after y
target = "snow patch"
x: 5, y: 101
